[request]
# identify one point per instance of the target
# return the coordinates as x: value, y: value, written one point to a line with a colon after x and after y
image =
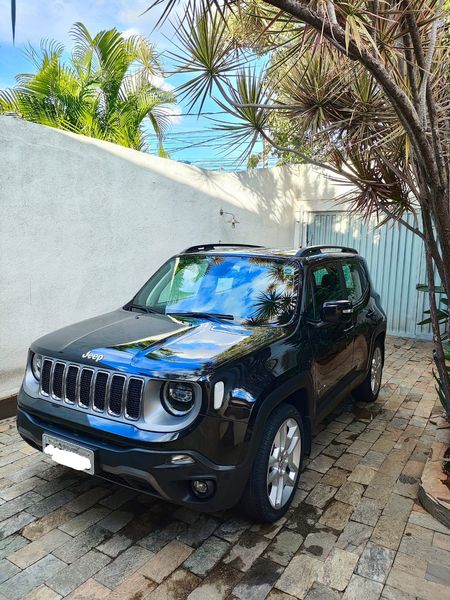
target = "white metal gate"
x: 396, y: 262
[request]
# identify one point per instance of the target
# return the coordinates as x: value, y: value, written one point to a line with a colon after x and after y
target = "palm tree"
x: 107, y: 90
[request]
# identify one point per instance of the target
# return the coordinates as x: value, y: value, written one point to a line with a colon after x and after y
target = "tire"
x: 369, y: 389
x: 260, y: 500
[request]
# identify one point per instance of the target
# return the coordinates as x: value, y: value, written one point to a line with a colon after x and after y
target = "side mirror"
x: 336, y: 311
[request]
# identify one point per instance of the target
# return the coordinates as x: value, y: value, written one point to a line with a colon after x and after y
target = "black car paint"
x: 261, y: 367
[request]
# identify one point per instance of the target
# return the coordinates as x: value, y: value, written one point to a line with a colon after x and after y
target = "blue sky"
x: 52, y: 19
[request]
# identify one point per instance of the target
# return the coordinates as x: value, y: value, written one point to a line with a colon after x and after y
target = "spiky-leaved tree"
x: 359, y: 87
x: 107, y: 90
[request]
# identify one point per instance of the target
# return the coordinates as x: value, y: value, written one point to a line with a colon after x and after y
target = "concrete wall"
x: 84, y: 224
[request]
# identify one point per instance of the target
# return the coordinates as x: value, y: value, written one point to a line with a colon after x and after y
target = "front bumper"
x: 140, y: 466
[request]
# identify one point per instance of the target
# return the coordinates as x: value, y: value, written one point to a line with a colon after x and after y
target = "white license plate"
x: 68, y: 454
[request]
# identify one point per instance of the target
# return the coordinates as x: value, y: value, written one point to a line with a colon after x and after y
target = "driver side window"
x: 326, y: 285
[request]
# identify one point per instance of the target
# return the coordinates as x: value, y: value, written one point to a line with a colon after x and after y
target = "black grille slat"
x: 134, y: 394
x: 101, y: 382
x: 71, y: 383
x: 58, y: 374
x: 85, y: 387
x: 116, y: 394
x: 45, y: 376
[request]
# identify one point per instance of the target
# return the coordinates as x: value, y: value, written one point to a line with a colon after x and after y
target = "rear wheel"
x: 276, y: 469
x: 370, y: 388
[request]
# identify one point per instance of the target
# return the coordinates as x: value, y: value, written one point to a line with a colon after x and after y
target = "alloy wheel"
x: 284, y: 463
x: 376, y: 370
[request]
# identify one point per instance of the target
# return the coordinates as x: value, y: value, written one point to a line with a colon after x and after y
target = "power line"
x: 202, y: 131
x: 203, y: 114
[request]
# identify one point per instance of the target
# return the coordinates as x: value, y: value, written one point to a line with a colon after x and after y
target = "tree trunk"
x: 438, y: 338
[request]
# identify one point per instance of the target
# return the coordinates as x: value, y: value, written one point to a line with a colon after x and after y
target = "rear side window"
x: 355, y: 281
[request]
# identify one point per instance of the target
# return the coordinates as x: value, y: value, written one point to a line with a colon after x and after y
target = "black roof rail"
x: 207, y: 247
x: 311, y: 250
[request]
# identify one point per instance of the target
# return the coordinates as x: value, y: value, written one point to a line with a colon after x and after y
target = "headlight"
x: 36, y: 365
x: 178, y: 397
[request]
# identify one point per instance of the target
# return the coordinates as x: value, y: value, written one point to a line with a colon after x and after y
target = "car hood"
x: 155, y: 345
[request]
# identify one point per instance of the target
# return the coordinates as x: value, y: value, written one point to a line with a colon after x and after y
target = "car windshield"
x: 250, y: 290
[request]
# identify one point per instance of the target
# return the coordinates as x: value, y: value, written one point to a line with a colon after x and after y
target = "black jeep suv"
x: 206, y: 388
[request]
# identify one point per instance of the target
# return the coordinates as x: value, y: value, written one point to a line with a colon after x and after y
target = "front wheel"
x: 276, y: 469
x: 370, y: 388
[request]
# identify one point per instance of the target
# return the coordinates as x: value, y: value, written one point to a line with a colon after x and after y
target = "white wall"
x: 84, y: 223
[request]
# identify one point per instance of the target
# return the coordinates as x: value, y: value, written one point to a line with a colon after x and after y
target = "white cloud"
x: 130, y: 32
x: 159, y: 82
x: 174, y: 114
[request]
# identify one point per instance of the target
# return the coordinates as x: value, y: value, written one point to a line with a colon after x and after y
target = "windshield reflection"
x: 253, y: 290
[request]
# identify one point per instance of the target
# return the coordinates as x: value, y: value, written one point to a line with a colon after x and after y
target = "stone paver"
x: 355, y: 530
x: 33, y: 552
x: 123, y: 566
x: 166, y: 561
x: 67, y: 580
x: 375, y: 562
x: 258, y: 581
x: 246, y: 551
x: 207, y: 556
x: 338, y: 569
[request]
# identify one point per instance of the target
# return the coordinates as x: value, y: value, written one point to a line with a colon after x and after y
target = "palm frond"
x: 105, y: 91
x: 206, y: 52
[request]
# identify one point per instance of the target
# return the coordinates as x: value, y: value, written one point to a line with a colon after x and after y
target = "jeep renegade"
x: 206, y: 388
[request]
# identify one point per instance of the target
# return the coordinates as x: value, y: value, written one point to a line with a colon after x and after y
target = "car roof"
x: 307, y: 254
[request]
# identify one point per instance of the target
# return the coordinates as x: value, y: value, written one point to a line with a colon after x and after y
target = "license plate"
x: 68, y: 454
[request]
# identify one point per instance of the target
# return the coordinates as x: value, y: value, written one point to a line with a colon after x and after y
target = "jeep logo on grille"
x: 92, y: 356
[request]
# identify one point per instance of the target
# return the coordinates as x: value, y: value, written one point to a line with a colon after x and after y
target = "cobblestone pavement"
x: 355, y: 530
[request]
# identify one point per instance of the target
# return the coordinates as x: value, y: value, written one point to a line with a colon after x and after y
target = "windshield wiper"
x: 145, y: 309
x: 200, y: 315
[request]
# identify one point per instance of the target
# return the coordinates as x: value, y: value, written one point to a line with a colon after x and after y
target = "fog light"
x: 202, y: 488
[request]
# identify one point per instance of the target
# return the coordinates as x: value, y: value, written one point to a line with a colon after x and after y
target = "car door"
x: 331, y: 343
x: 358, y: 292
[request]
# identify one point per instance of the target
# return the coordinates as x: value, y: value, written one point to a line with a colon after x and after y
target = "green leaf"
x: 105, y: 90
x: 423, y: 287
x: 424, y: 322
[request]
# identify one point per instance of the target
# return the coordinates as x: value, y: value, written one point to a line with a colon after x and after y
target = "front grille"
x: 58, y: 374
x: 98, y: 390
x: 116, y: 394
x: 45, y: 376
x: 71, y: 383
x: 133, y: 406
x: 85, y: 387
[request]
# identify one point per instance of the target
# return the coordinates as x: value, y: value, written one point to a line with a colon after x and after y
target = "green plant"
x: 439, y: 387
x: 443, y: 316
x: 358, y: 88
x: 106, y: 90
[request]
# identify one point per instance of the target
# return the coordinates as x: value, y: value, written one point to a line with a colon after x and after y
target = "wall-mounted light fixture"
x: 233, y: 219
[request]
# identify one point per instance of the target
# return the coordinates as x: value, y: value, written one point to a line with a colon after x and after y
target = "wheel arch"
x: 299, y: 400
x: 381, y: 336
x: 297, y: 392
